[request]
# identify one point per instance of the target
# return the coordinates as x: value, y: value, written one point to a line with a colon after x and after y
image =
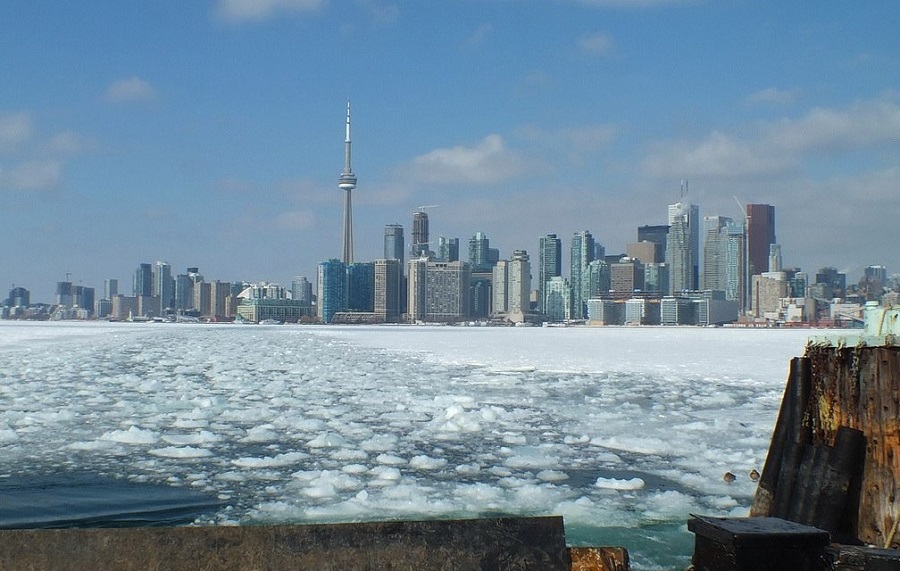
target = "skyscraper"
x: 393, y: 243
x: 760, y: 235
x: 479, y: 246
x: 388, y: 290
x: 419, y: 244
x: 143, y: 281
x: 549, y: 264
x: 163, y: 285
x: 715, y: 247
x: 519, y: 283
x: 331, y: 287
x: 448, y: 249
x: 682, y: 246
x: 582, y: 255
x: 347, y: 182
x: 656, y: 234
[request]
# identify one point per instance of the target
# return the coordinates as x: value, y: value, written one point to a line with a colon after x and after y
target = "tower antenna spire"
x: 347, y: 182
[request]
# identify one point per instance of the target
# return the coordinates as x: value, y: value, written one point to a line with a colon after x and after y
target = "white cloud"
x: 773, y: 95
x: 15, y: 129
x: 261, y: 10
x: 488, y: 162
x: 598, y: 44
x: 296, y: 220
x: 130, y: 89
x: 478, y: 37
x: 69, y: 143
x: 32, y: 175
x: 774, y: 147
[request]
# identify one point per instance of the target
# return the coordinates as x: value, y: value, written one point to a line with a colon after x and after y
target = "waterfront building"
x: 500, y: 283
x: 64, y: 295
x: 582, y: 254
x: 219, y: 293
x: 480, y: 293
x: 331, y: 289
x: 163, y: 285
x: 110, y: 288
x: 124, y: 307
x: 767, y: 290
x: 682, y: 246
x: 18, y: 297
x: 605, y: 311
x: 676, y: 311
x: 438, y: 291
x: 558, y: 299
x: 361, y: 287
x: 642, y: 311
x: 143, y: 281
x: 394, y: 248
x: 347, y: 182
x: 519, y: 283
x: 388, y: 290
x: 549, y: 264
x: 301, y: 290
x: 420, y: 245
x: 760, y: 235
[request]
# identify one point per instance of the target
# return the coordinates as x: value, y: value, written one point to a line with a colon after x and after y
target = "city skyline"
x: 204, y: 135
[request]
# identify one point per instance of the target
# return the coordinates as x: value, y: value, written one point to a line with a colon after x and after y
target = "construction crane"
x: 422, y: 208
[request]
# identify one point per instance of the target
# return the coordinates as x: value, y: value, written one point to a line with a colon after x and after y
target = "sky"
x: 211, y: 133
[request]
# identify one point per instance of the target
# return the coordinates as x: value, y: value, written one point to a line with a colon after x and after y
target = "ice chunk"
x: 185, y: 452
x: 133, y: 435
x: 617, y: 484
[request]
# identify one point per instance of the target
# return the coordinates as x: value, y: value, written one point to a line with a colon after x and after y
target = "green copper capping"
x: 881, y: 329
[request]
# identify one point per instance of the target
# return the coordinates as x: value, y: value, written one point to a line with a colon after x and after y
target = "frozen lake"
x: 623, y: 431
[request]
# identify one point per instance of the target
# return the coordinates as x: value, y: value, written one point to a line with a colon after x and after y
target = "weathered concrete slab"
x: 507, y: 544
x: 751, y: 544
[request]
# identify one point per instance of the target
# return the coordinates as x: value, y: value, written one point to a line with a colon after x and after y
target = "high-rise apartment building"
x: 143, y: 281
x: 388, y: 290
x: 760, y: 235
x: 682, y: 246
x: 736, y: 276
x: 500, y: 282
x: 582, y: 254
x: 519, y: 283
x: 331, y: 289
x: 549, y: 264
x: 361, y: 286
x: 163, y: 285
x: 394, y: 248
x: 301, y: 290
x: 438, y: 291
x: 558, y: 299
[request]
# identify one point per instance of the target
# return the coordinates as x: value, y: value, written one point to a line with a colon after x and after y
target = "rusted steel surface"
x: 859, y: 387
x: 599, y: 559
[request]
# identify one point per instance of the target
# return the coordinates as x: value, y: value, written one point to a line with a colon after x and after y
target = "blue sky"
x: 210, y: 133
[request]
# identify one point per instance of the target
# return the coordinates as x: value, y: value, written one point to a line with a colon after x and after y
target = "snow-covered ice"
x: 623, y: 431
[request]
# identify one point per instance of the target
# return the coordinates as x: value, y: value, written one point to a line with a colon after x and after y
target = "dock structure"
x: 507, y: 544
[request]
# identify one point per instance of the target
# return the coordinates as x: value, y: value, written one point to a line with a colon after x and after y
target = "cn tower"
x: 347, y: 183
